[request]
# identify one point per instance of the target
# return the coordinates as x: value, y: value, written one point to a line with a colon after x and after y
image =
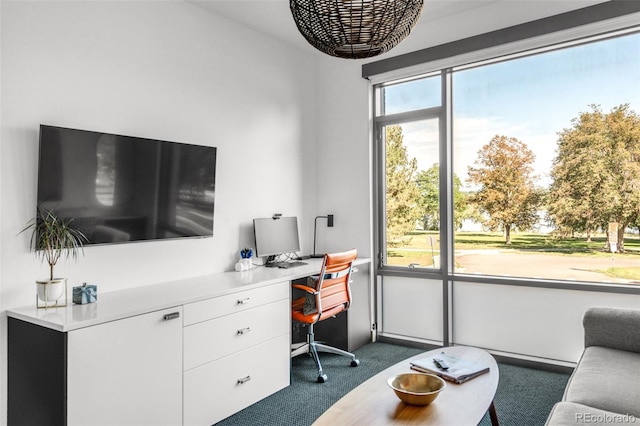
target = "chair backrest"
x: 334, y: 289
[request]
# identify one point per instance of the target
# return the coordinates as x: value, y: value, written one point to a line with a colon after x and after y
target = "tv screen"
x: 122, y: 189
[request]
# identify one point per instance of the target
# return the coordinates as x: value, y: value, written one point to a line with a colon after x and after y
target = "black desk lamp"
x: 315, y: 226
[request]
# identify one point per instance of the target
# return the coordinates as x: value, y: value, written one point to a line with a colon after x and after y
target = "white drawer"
x: 236, y: 302
x: 219, y: 389
x: 219, y: 337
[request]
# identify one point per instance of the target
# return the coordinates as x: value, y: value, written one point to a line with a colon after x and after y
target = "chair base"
x: 312, y: 348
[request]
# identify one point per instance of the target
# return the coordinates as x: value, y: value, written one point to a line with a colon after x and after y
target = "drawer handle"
x: 244, y: 380
x: 244, y: 301
x: 171, y: 316
x: 244, y: 330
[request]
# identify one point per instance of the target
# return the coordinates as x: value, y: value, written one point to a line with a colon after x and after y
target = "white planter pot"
x: 51, y: 290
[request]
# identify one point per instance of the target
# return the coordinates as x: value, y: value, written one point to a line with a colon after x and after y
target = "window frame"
x: 379, y: 123
x: 444, y: 112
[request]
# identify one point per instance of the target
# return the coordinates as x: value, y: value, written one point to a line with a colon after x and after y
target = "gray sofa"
x: 605, y: 386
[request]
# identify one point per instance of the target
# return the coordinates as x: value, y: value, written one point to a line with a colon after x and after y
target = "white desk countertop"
x: 115, y: 305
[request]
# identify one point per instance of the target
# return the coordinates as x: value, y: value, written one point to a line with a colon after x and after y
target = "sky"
x: 531, y: 98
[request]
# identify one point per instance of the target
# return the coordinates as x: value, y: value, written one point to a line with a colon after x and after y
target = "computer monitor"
x: 275, y: 236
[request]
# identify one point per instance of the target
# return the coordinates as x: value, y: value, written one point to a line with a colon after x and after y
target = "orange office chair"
x: 330, y: 296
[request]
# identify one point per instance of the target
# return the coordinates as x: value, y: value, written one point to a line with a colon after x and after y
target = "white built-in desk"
x: 190, y: 351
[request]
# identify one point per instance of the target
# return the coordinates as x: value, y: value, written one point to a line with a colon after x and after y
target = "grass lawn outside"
x: 419, y: 248
x: 632, y: 274
x: 543, y: 242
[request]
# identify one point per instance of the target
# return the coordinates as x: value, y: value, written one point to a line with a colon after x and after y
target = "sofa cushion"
x: 607, y: 379
x: 612, y: 328
x: 571, y: 414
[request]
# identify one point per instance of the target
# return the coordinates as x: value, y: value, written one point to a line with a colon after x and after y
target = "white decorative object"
x: 243, y: 265
x: 51, y: 290
x: 51, y: 293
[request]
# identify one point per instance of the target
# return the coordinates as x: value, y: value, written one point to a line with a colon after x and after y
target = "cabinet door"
x: 126, y: 372
x: 359, y: 313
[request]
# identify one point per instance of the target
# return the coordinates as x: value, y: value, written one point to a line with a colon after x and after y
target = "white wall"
x: 343, y: 156
x: 2, y: 326
x: 165, y: 70
x: 535, y: 322
x: 411, y: 308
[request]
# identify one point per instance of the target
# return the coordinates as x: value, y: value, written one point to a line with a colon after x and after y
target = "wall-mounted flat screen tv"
x: 123, y: 189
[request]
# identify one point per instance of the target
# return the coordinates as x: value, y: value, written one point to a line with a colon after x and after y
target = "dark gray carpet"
x: 524, y: 397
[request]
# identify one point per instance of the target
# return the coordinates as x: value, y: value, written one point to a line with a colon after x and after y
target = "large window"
x: 541, y: 171
x: 408, y: 129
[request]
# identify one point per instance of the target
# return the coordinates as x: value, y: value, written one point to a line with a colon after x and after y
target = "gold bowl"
x: 416, y: 388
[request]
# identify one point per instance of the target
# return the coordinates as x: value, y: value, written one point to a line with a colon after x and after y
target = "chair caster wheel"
x: 355, y: 362
x: 322, y: 378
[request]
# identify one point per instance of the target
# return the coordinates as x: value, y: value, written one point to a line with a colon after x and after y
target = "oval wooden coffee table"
x: 375, y: 403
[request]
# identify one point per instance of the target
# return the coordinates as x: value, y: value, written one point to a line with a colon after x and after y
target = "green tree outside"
x: 429, y: 202
x: 596, y: 173
x: 507, y: 195
x: 402, y: 193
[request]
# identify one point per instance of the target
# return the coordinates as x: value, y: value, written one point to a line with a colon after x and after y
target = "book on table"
x: 459, y: 370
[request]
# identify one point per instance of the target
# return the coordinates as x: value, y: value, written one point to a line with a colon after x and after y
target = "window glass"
x: 410, y: 96
x: 412, y: 208
x: 547, y: 152
x: 545, y: 156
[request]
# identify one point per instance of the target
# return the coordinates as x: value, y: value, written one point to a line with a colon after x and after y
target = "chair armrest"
x: 305, y: 288
x: 612, y: 328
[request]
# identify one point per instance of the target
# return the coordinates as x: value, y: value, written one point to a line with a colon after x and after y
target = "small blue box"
x: 85, y: 294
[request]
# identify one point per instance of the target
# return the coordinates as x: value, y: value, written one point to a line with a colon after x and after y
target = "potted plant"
x: 51, y: 239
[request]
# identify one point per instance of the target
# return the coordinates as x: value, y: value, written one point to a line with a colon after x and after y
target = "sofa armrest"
x: 612, y: 328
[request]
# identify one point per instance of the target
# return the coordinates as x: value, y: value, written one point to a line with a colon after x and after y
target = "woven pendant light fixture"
x: 355, y: 29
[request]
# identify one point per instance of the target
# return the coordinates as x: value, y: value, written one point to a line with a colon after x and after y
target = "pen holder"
x: 243, y: 265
